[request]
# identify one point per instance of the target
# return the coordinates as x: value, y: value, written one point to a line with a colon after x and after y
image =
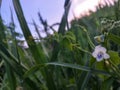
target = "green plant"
x: 79, y: 58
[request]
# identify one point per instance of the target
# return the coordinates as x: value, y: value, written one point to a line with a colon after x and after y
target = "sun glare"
x: 84, y: 8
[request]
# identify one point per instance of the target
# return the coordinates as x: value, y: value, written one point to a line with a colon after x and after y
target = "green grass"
x: 61, y: 61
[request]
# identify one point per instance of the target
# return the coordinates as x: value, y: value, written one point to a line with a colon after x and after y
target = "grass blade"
x: 37, y: 52
x: 15, y: 67
x: 61, y: 30
x: 10, y: 76
x: 83, y: 68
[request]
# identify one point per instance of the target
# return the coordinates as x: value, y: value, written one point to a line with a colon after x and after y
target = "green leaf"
x: 66, y: 43
x: 67, y: 40
x: 106, y: 85
x: 33, y: 70
x: 114, y: 38
x: 98, y: 65
x: 70, y: 36
x: 114, y: 57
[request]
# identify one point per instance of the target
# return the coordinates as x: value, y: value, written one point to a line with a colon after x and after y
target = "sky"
x: 51, y: 10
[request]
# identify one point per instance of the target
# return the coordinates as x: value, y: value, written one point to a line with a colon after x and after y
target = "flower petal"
x: 94, y: 54
x: 97, y: 47
x: 106, y: 56
x: 99, y: 59
x: 103, y: 49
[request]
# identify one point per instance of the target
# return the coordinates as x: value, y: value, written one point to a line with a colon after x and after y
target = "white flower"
x: 100, y: 53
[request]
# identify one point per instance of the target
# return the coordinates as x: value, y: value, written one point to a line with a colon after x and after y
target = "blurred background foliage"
x: 62, y: 60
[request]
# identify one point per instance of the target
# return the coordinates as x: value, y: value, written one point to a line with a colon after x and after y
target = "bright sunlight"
x: 83, y: 8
